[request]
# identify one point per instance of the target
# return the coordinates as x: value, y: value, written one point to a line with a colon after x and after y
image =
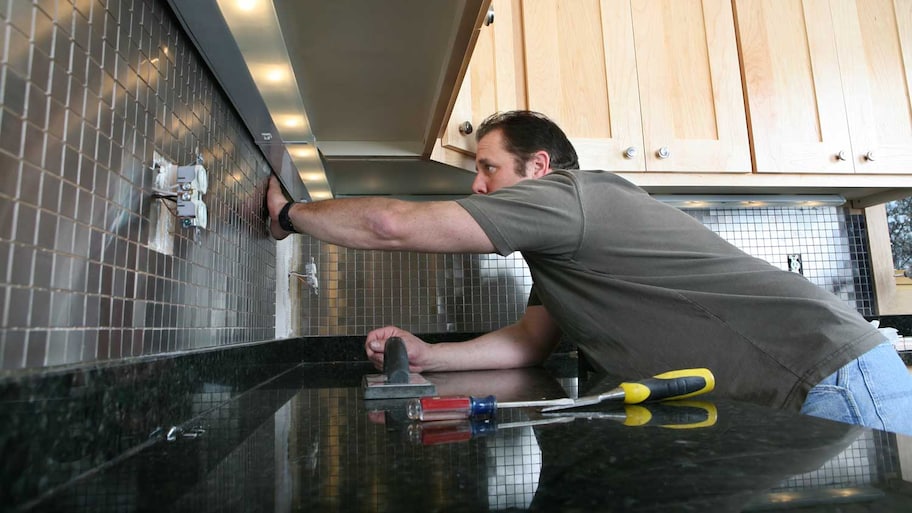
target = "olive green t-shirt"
x: 644, y: 288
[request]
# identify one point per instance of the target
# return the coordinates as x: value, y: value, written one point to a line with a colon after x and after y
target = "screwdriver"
x: 670, y: 385
x: 463, y: 406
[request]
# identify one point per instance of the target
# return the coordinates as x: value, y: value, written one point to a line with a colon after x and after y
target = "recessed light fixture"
x: 246, y: 5
x: 318, y: 195
x: 313, y: 177
x: 292, y: 121
x: 276, y: 74
x: 303, y: 151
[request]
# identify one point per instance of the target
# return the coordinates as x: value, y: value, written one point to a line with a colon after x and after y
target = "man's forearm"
x: 350, y: 222
x: 390, y: 224
x: 507, y: 348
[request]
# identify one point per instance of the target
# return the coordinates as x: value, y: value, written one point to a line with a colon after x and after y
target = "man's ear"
x: 540, y: 164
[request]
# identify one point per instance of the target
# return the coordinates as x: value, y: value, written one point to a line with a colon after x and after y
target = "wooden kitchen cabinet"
x: 492, y: 82
x: 690, y: 85
x: 828, y: 84
x: 581, y: 72
x: 648, y: 85
x: 824, y: 83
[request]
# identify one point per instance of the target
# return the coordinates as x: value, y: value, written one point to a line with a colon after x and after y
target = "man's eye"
x: 490, y: 169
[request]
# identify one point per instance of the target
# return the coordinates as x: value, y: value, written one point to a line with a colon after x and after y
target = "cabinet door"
x: 794, y: 91
x: 690, y: 86
x: 491, y: 82
x: 581, y: 72
x: 874, y: 43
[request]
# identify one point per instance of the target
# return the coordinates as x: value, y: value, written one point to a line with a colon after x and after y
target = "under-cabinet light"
x: 255, y: 27
x: 246, y: 5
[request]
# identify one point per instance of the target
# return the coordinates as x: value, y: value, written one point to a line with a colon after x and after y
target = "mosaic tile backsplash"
x: 91, y: 89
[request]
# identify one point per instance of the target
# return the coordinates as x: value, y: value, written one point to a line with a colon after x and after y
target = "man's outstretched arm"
x: 523, y: 344
x: 382, y: 223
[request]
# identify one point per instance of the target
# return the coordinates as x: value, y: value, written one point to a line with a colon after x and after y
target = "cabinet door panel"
x: 794, y: 91
x: 580, y: 71
x: 492, y: 81
x: 690, y: 86
x: 874, y: 41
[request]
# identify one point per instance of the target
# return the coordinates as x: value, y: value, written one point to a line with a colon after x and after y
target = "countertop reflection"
x: 302, y: 438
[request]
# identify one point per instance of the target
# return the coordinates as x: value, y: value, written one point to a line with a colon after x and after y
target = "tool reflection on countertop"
x: 396, y: 382
x: 459, y: 430
x: 671, y: 414
x: 667, y: 415
x: 679, y: 384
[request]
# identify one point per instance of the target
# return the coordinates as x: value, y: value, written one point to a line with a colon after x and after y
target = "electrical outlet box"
x: 192, y: 183
x: 794, y: 263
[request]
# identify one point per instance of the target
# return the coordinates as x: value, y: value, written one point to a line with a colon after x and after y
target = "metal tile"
x: 56, y: 348
x: 40, y: 315
x: 62, y: 271
x: 43, y: 268
x: 13, y: 356
x: 18, y: 49
x: 4, y: 301
x: 64, y: 241
x: 26, y: 221
x: 33, y: 151
x: 14, y: 92
x: 10, y: 133
x: 20, y: 301
x: 74, y: 345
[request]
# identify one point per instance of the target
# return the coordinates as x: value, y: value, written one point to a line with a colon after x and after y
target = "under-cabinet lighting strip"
x: 255, y: 27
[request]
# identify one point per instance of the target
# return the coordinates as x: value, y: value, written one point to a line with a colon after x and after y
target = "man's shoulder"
x: 588, y: 176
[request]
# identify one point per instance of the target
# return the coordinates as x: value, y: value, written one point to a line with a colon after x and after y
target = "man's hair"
x: 526, y: 132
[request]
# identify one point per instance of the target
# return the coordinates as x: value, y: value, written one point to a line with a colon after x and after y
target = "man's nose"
x: 479, y: 185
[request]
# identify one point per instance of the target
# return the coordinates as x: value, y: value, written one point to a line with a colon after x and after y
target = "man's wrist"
x: 285, y: 220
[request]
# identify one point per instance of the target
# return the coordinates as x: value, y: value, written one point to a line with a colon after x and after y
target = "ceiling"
x: 367, y: 83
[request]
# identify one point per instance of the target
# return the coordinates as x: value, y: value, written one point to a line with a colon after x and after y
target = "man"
x: 641, y: 287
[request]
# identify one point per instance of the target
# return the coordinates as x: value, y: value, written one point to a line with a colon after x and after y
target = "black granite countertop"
x: 234, y: 431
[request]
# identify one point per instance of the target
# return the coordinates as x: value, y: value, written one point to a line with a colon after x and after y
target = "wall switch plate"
x: 794, y: 263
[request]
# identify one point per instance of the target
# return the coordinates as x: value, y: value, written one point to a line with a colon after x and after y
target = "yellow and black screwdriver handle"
x: 677, y: 384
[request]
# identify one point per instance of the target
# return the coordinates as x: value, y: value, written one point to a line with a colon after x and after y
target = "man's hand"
x: 417, y: 349
x: 275, y: 200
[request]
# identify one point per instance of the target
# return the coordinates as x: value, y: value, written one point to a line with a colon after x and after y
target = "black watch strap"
x: 284, y: 220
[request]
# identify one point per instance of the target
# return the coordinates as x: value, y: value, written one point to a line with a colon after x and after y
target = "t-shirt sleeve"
x: 542, y: 216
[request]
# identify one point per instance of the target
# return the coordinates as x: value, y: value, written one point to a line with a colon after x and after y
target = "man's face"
x: 495, y: 166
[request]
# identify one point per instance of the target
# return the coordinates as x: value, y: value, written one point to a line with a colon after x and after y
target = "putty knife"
x: 396, y: 382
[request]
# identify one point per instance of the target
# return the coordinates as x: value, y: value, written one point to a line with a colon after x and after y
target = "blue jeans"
x: 874, y: 390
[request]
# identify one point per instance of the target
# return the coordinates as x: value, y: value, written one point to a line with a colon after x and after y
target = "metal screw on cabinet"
x: 841, y: 156
x: 489, y: 18
x: 465, y: 128
x: 869, y: 156
x: 630, y: 153
x: 663, y: 152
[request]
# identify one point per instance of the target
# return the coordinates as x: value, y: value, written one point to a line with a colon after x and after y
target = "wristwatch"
x: 284, y: 220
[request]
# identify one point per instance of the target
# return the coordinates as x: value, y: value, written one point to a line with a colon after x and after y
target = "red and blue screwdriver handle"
x: 451, y: 407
